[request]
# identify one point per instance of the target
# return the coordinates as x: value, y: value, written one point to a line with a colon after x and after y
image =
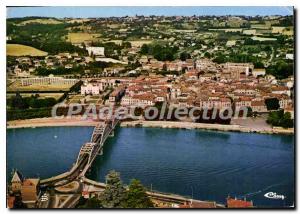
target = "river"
x: 205, y: 165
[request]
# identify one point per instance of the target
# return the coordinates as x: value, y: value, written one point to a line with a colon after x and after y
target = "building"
x: 237, y: 203
x: 205, y: 77
x: 281, y: 90
x: 95, y: 51
x: 271, y: 79
x: 289, y: 56
x: 51, y: 80
x: 288, y: 82
x: 290, y: 109
x: 91, y: 88
x: 140, y: 100
x: 245, y: 90
x: 16, y: 182
x: 236, y: 69
x: 230, y: 43
x: 242, y: 102
x: 258, y: 106
x: 259, y: 72
x: 11, y: 201
x: 218, y: 103
x: 30, y: 191
x: 117, y: 94
x: 175, y: 92
x: 199, y: 204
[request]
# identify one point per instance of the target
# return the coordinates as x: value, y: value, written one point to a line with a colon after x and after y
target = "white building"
x: 51, y: 80
x: 91, y: 88
x: 95, y: 87
x: 289, y: 56
x: 138, y: 100
x: 96, y: 51
x: 259, y: 72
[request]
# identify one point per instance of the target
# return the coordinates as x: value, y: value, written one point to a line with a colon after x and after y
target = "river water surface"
x: 205, y: 165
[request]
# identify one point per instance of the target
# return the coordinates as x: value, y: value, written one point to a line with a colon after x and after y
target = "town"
x: 174, y: 62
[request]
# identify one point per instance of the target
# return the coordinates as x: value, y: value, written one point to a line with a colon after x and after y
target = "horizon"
x: 122, y: 11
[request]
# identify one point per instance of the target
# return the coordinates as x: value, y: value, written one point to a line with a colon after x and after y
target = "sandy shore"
x: 245, y: 127
x: 49, y: 122
x: 205, y: 126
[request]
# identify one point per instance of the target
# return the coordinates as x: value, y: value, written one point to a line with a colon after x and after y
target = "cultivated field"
x: 81, y: 37
x: 40, y: 21
x: 139, y: 43
x: 75, y: 99
x: 23, y: 50
x: 78, y: 20
x: 88, y: 99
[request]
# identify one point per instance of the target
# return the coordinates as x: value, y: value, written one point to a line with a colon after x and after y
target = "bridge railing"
x: 106, y: 128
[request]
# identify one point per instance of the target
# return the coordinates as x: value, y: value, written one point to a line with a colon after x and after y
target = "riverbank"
x: 205, y: 126
x: 78, y: 121
x: 50, y: 122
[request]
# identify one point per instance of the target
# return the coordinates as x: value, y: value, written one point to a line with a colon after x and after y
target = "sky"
x: 91, y: 12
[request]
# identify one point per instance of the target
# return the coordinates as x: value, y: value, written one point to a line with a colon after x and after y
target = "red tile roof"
x: 236, y: 203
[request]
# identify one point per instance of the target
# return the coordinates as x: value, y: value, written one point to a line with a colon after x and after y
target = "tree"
x: 286, y: 121
x: 137, y: 196
x: 272, y: 103
x: 184, y: 56
x: 219, y: 59
x: 249, y: 112
x: 126, y: 44
x: 259, y: 64
x: 18, y: 102
x: 282, y: 69
x: 144, y: 49
x: 274, y: 117
x: 114, y: 195
x: 207, y: 55
x: 279, y: 118
x: 161, y: 53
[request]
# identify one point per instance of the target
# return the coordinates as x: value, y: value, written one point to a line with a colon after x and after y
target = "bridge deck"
x: 87, y: 153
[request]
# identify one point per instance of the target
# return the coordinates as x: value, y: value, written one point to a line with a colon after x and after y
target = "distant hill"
x: 23, y: 50
x: 40, y: 21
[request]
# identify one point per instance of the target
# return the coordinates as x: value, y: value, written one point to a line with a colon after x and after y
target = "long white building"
x: 51, y: 80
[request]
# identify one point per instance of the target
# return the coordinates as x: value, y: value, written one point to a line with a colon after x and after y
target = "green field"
x: 23, y: 50
x: 81, y: 37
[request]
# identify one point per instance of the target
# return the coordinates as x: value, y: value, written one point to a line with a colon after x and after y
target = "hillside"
x: 23, y: 50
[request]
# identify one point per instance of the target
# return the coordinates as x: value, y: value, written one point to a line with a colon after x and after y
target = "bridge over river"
x: 86, y: 156
x: 71, y: 184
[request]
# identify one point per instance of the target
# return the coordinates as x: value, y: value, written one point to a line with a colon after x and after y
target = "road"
x: 75, y: 174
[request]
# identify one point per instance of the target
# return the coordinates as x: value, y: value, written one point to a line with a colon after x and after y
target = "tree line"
x: 160, y: 52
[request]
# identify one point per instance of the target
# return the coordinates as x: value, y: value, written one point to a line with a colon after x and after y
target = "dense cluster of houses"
x: 206, y: 85
x: 201, y: 83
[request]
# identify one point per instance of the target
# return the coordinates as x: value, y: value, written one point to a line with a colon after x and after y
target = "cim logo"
x: 273, y: 195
